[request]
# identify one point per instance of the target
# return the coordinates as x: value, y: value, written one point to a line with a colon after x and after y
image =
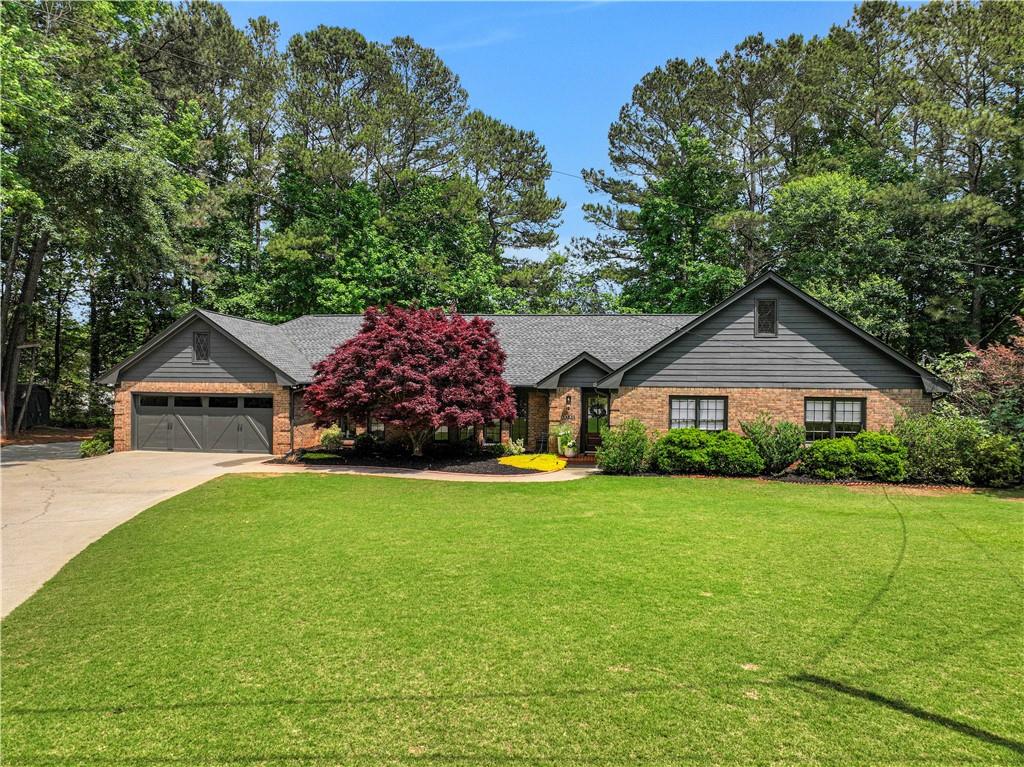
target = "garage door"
x: 200, y: 422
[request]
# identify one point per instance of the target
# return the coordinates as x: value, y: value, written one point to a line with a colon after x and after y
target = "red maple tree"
x: 417, y: 369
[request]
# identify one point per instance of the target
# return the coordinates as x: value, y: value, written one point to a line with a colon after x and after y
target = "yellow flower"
x: 537, y: 462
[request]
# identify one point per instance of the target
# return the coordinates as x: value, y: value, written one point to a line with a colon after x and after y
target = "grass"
x: 535, y: 461
x: 315, y: 620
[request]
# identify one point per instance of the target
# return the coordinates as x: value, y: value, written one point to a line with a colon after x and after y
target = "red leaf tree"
x: 417, y: 369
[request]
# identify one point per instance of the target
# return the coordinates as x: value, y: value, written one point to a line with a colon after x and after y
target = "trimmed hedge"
x: 869, y: 455
x: 691, y: 451
x: 777, y: 443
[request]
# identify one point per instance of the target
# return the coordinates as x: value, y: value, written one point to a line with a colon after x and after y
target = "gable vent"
x: 766, y: 317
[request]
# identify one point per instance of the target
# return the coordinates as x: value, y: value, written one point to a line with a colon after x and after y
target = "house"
x: 220, y: 383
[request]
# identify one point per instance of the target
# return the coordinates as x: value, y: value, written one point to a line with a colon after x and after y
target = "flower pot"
x: 569, y: 452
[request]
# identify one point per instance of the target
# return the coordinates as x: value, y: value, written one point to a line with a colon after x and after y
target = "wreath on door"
x: 597, y: 410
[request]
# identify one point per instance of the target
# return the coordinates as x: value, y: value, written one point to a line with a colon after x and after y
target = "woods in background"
x: 157, y: 158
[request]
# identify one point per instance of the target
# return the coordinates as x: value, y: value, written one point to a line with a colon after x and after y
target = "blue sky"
x: 563, y: 69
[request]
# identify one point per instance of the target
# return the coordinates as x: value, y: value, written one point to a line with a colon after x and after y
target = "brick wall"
x: 536, y: 417
x: 559, y: 412
x: 650, y: 404
x: 281, y: 436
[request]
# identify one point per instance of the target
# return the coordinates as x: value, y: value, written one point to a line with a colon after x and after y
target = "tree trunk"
x: 94, y: 347
x: 12, y: 260
x: 19, y: 326
x: 58, y: 340
x: 418, y: 439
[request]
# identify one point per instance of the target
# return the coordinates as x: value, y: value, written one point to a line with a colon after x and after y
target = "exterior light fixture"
x: 568, y: 399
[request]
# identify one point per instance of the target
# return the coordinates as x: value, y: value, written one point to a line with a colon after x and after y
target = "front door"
x: 595, y: 418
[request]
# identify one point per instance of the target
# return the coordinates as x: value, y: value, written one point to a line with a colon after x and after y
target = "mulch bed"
x: 41, y: 435
x: 463, y: 464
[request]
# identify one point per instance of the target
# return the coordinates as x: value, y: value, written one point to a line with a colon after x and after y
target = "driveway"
x: 54, y: 507
x: 47, y: 451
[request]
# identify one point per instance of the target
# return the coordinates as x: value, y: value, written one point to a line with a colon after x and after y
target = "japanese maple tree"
x: 417, y: 369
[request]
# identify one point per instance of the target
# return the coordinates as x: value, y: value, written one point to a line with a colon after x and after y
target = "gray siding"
x: 172, y: 361
x: 811, y: 351
x: 583, y: 373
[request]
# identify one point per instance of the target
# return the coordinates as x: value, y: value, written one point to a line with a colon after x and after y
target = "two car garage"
x: 202, y: 422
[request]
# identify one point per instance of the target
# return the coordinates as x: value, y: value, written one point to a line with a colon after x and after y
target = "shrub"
x: 681, y: 451
x: 829, y: 458
x: 734, y: 455
x: 880, y: 455
x: 777, y: 444
x: 997, y: 462
x: 364, y: 444
x: 941, y: 447
x: 626, y: 449
x: 330, y: 438
x: 101, y: 444
x: 513, y: 447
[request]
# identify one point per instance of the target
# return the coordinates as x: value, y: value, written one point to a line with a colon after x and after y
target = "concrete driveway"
x: 54, y: 507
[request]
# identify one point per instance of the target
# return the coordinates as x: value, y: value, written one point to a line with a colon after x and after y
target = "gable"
x: 172, y: 360
x: 811, y: 350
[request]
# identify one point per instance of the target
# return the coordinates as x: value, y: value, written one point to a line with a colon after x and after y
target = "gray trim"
x: 930, y: 382
x: 111, y: 376
x: 550, y: 381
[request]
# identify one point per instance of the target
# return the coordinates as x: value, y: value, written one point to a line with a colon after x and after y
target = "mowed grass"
x: 320, y: 620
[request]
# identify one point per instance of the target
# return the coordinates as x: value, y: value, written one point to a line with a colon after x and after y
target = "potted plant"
x: 566, y: 440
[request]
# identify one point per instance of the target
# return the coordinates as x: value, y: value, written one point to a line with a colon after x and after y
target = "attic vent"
x: 200, y: 347
x: 766, y: 321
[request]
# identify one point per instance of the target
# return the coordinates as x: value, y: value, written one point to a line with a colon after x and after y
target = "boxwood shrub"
x: 777, y: 443
x: 691, y: 451
x: 881, y: 456
x: 829, y: 458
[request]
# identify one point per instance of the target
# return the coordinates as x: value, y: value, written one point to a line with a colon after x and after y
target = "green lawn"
x: 318, y: 619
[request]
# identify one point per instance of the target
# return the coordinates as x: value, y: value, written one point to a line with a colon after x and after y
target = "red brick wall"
x: 650, y: 404
x: 536, y: 417
x: 281, y: 436
x: 559, y: 412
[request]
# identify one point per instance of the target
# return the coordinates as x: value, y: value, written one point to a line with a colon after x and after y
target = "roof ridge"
x: 235, y: 317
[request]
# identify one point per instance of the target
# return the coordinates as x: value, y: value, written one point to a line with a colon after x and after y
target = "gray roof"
x: 535, y: 344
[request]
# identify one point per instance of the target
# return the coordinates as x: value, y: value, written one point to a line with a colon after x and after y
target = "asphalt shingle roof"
x: 535, y: 345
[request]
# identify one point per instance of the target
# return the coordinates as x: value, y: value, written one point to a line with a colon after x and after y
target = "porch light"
x: 568, y: 399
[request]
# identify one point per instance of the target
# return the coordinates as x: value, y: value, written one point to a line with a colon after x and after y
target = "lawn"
x: 312, y: 619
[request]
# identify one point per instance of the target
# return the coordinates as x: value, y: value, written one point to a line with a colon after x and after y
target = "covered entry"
x: 201, y: 422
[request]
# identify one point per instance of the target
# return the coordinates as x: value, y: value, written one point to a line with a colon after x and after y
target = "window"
x: 704, y: 413
x: 492, y: 432
x: 520, y: 424
x: 188, y: 401
x: 348, y: 428
x: 831, y: 417
x: 466, y: 433
x: 258, y: 402
x: 441, y: 434
x: 151, y: 401
x: 201, y: 346
x: 375, y: 428
x: 228, y: 402
x: 766, y: 319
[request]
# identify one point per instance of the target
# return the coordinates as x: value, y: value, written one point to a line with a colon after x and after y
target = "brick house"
x: 220, y: 383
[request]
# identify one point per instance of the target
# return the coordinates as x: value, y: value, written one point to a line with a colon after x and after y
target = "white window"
x: 704, y: 413
x: 827, y: 417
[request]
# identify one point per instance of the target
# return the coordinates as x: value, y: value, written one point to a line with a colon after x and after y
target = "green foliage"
x: 625, y: 449
x: 513, y: 447
x: 880, y: 456
x: 733, y: 455
x: 364, y: 444
x: 829, y: 458
x: 331, y: 438
x: 692, y: 451
x: 942, y: 446
x: 100, y: 444
x: 778, y: 444
x: 682, y: 451
x: 998, y: 462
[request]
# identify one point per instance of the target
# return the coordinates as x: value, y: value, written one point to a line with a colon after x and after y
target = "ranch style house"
x: 211, y: 382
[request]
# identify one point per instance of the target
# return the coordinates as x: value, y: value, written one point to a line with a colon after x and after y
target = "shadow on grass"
x: 905, y: 708
x: 353, y: 701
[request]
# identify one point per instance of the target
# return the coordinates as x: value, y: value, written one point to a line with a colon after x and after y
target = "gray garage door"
x: 215, y: 423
